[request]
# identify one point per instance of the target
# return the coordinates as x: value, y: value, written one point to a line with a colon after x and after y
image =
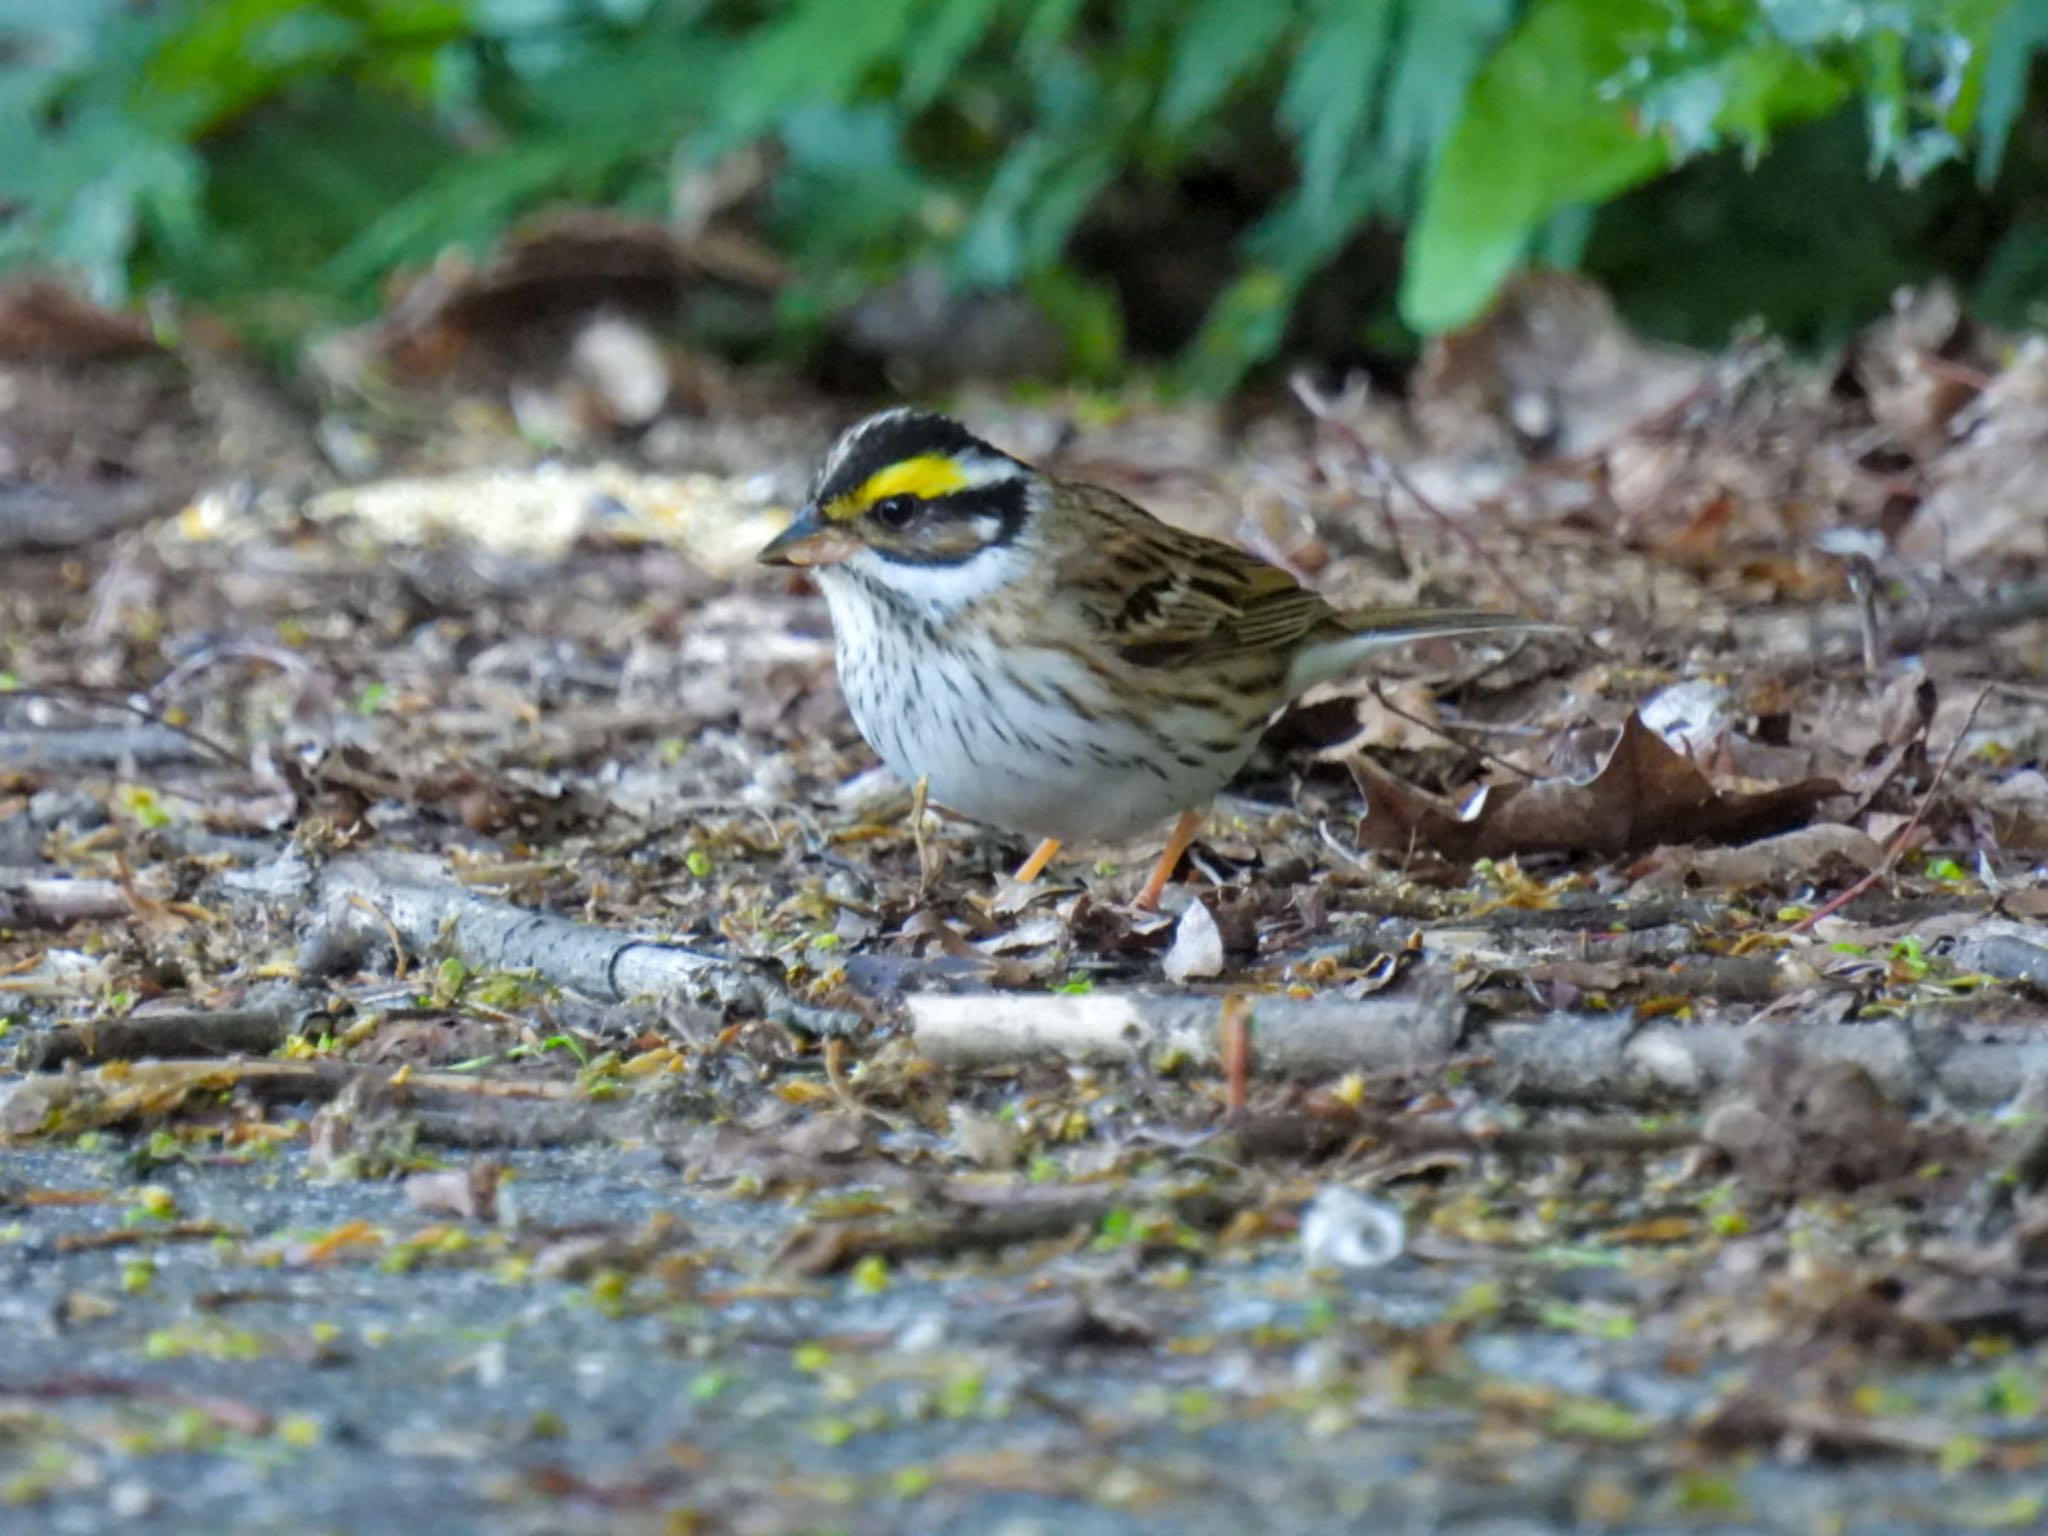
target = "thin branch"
x: 1436, y: 728
x: 1904, y: 835
x: 1385, y: 468
x: 73, y: 698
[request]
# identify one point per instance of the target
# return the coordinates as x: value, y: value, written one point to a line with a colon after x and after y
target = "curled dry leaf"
x: 466, y: 322
x: 1549, y: 371
x: 2017, y: 808
x: 1643, y: 795
x: 1804, y: 854
x: 470, y: 1193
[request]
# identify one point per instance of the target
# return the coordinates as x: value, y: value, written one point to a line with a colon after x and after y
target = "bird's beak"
x: 810, y: 540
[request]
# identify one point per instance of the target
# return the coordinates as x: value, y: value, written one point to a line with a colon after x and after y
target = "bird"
x: 1047, y: 656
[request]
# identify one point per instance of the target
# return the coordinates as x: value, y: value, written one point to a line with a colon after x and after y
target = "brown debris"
x: 43, y: 321
x: 1986, y: 498
x: 570, y: 309
x: 1642, y: 795
x: 1823, y: 1125
x: 1549, y: 372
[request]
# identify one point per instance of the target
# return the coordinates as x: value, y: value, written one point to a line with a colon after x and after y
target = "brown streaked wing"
x: 1167, y: 597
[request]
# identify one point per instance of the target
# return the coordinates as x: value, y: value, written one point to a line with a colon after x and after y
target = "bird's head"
x: 912, y: 502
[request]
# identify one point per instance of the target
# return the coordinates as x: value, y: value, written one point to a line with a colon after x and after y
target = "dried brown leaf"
x: 1643, y: 795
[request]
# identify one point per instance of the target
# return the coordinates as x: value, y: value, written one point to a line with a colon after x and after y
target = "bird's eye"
x: 895, y: 512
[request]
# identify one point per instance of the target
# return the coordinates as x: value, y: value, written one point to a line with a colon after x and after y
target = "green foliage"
x: 280, y: 157
x: 1591, y: 97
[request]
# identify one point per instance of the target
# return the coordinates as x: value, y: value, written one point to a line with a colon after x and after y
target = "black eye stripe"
x: 1003, y: 500
x: 1006, y: 502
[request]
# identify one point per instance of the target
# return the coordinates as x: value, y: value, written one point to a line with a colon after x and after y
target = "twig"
x: 258, y: 1027
x: 1234, y: 1045
x: 1863, y: 587
x: 417, y: 898
x: 227, y: 1413
x: 1437, y: 729
x: 72, y: 698
x: 401, y: 967
x: 1603, y: 1060
x: 964, y: 1225
x: 1897, y: 850
x: 1384, y: 468
x: 2002, y: 610
x: 1457, y: 530
x: 446, y: 1107
x: 56, y: 900
x: 920, y: 793
x: 1312, y: 1133
x: 212, y: 655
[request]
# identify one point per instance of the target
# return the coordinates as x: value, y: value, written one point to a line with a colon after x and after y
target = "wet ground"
x: 237, y: 1347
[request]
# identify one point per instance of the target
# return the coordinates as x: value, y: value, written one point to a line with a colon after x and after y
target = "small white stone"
x: 131, y: 1500
x: 1342, y: 1229
x: 1197, y: 948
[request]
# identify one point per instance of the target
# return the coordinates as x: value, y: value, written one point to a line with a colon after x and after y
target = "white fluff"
x: 992, y: 749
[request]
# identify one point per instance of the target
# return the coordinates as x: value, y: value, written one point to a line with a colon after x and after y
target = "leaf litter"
x: 481, y: 962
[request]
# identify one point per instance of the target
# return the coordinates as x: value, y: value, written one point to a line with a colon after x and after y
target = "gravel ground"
x: 256, y: 1383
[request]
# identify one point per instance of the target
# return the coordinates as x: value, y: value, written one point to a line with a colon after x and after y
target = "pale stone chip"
x: 720, y: 524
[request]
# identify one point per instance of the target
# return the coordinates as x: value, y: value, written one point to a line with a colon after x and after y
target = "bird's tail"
x: 1358, y: 632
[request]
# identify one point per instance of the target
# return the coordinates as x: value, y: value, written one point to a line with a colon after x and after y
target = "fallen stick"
x: 228, y: 1413
x: 960, y: 1224
x: 445, y: 1107
x: 1837, y: 631
x: 53, y: 901
x: 363, y: 901
x: 2001, y: 610
x: 1319, y: 1132
x: 1291, y: 1037
x: 1563, y: 1059
x: 257, y: 1028
x: 145, y: 744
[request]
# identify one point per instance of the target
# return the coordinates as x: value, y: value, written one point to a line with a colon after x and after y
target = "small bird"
x: 1048, y: 656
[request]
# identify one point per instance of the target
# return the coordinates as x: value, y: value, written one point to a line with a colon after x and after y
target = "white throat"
x: 938, y: 591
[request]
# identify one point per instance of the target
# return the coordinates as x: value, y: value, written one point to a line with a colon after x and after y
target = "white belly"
x: 1024, y: 759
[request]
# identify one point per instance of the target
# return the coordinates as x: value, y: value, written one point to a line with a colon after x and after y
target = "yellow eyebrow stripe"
x: 925, y: 477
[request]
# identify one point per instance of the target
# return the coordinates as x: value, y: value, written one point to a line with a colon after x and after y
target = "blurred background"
x: 892, y: 194
x: 394, y: 397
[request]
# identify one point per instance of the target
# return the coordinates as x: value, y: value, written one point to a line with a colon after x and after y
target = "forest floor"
x: 481, y: 1036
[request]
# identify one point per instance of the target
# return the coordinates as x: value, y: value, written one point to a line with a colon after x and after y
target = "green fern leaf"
x: 818, y: 51
x: 1329, y: 93
x: 1443, y: 43
x: 1543, y: 129
x: 1049, y: 24
x: 947, y: 34
x: 1220, y: 44
x: 1533, y: 138
x: 2008, y: 58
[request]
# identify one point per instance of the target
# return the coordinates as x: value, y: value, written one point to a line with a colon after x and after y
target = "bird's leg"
x: 1041, y: 856
x: 1184, y: 832
x: 919, y: 794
